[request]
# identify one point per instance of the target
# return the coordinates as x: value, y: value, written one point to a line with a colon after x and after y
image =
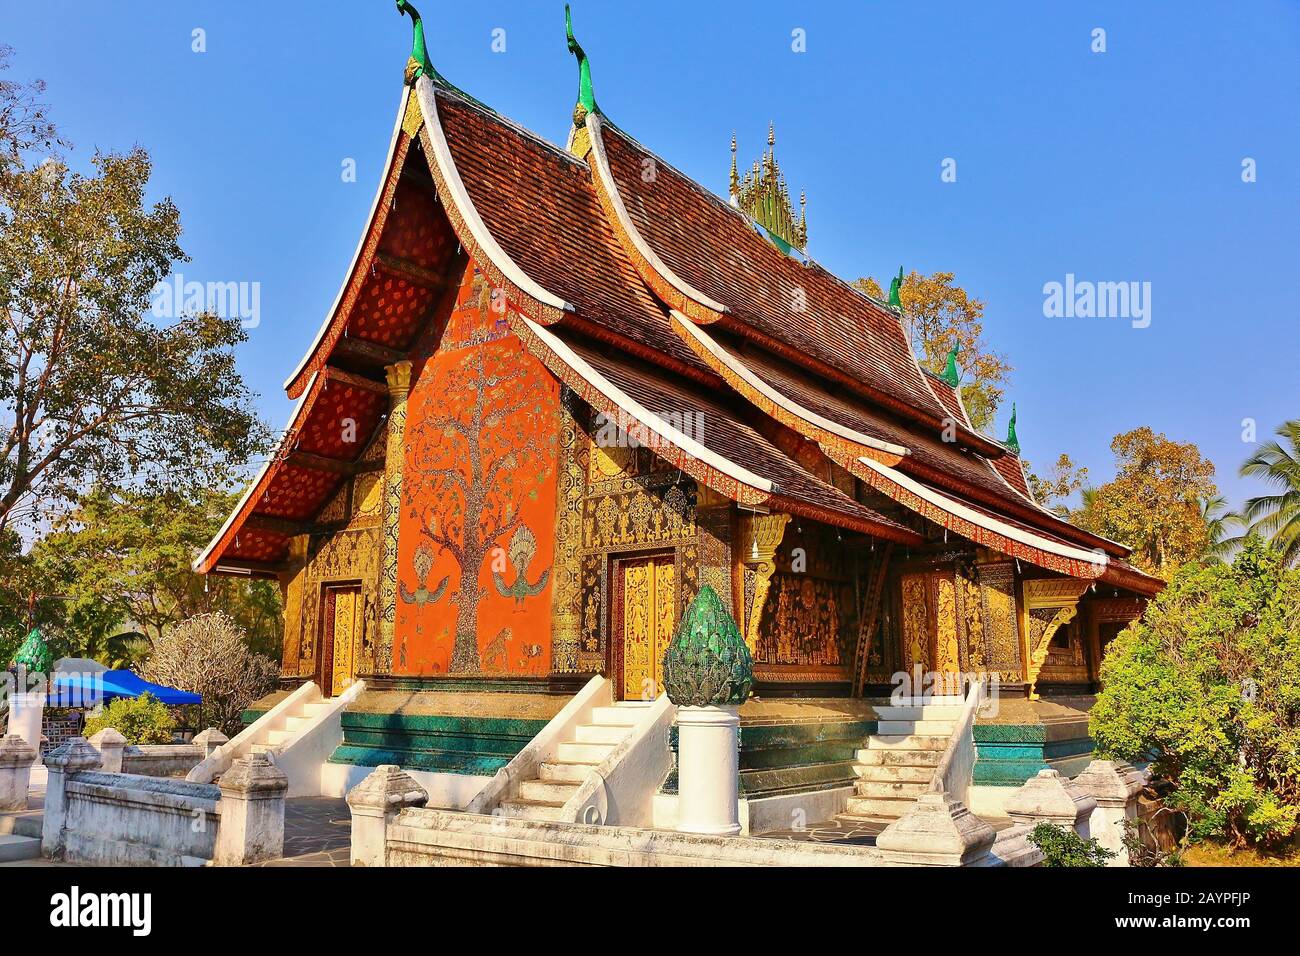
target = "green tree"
x: 1062, y: 481
x: 124, y: 556
x: 141, y: 720
x: 24, y: 119
x: 1064, y: 847
x: 94, y: 390
x: 940, y: 315
x: 1277, y: 517
x: 1206, y: 685
x: 1153, y: 504
x: 208, y: 655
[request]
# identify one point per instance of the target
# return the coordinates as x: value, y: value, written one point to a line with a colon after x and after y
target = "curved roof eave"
x: 773, y: 402
x: 1018, y: 542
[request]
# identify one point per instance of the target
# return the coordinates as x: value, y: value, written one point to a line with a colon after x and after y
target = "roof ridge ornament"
x: 895, y: 287
x: 417, y: 64
x: 952, y: 374
x: 1012, y: 442
x: 586, y: 96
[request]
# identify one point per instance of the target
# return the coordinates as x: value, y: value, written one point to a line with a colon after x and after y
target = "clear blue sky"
x: 1123, y: 165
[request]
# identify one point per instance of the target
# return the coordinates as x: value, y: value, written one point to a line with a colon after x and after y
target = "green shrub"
x: 141, y: 720
x: 1062, y: 847
x: 1207, y: 687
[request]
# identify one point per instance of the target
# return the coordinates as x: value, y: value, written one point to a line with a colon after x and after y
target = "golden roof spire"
x: 764, y: 196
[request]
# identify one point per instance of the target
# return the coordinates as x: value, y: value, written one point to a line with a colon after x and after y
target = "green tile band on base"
x: 1009, y: 754
x: 436, y: 742
x: 782, y: 758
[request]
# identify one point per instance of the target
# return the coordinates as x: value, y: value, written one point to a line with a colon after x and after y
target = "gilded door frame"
x: 615, y: 577
x: 325, y: 657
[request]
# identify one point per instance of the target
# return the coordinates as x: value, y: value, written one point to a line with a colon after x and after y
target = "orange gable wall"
x: 482, y: 436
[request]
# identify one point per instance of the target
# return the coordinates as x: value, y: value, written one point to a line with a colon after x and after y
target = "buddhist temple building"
x: 563, y: 388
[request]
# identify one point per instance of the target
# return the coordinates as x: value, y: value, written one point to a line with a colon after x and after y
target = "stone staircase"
x: 544, y: 796
x: 899, y: 760
x: 294, y: 723
x: 20, y: 835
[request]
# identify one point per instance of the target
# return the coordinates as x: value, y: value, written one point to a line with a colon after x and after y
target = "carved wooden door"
x: 648, y: 612
x: 342, y: 619
x: 930, y: 627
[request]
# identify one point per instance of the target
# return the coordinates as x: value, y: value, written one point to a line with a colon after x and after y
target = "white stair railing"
x: 953, y: 773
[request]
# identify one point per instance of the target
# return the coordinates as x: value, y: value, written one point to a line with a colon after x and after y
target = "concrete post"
x: 210, y: 740
x: 1051, y: 798
x: 73, y: 757
x: 375, y: 802
x: 1115, y: 785
x: 16, y: 759
x: 708, y: 770
x: 936, y: 831
x: 25, y: 712
x: 251, y: 826
x: 110, y: 744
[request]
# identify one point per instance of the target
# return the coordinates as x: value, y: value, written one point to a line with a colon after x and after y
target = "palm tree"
x: 1218, y: 522
x: 1276, y: 518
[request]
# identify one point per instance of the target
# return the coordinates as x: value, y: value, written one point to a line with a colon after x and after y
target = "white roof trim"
x: 984, y: 521
x: 767, y: 391
x: 298, y: 407
x: 361, y: 244
x: 460, y: 196
x: 643, y: 415
x: 624, y: 221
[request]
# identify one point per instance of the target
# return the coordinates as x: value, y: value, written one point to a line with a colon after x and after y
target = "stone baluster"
x: 1115, y: 785
x: 16, y: 759
x: 110, y: 744
x: 210, y: 740
x: 1051, y: 798
x: 73, y: 757
x: 375, y: 803
x: 251, y: 826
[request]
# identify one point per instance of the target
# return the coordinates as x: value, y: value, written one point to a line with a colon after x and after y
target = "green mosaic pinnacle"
x: 708, y: 663
x: 896, y: 287
x: 34, y: 654
x: 586, y: 96
x: 952, y: 374
x: 418, y: 65
x: 1012, y: 441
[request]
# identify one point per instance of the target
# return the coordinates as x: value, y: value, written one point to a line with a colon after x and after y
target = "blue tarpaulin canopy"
x: 86, y: 690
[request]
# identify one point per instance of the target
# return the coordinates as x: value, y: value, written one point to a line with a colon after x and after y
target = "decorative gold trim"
x: 1061, y: 594
x: 759, y: 537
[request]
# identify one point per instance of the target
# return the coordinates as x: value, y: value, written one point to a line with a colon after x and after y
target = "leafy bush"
x: 141, y: 720
x: 1062, y: 847
x: 1207, y: 687
x: 208, y: 655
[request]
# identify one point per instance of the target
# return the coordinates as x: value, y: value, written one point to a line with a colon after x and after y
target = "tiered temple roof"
x: 650, y: 297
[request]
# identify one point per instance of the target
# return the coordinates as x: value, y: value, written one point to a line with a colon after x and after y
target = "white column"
x: 25, y: 712
x: 708, y: 770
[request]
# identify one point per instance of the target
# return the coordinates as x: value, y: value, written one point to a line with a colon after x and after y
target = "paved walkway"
x: 317, y: 832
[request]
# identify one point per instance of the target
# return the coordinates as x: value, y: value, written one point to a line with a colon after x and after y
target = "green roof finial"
x: 708, y: 663
x: 895, y: 287
x: 418, y: 65
x: 1012, y: 441
x: 586, y: 97
x: 34, y: 654
x: 952, y: 374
